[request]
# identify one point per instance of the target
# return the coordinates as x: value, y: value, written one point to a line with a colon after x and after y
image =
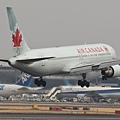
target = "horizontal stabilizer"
x: 4, y: 60
x: 30, y: 88
x: 34, y: 60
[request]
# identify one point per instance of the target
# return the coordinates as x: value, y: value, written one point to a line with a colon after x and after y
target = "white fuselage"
x: 64, y: 58
x: 107, y: 92
x: 11, y: 89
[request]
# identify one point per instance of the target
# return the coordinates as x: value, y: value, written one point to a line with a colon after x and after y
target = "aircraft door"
x: 80, y: 57
x: 43, y: 61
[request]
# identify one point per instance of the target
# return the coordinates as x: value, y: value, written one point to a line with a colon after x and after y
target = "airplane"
x: 21, y: 86
x: 69, y: 90
x: 77, y: 59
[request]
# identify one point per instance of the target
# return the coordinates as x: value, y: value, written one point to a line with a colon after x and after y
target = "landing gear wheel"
x: 79, y: 82
x: 40, y: 82
x: 36, y: 81
x: 44, y: 83
x: 87, y: 84
x: 83, y: 83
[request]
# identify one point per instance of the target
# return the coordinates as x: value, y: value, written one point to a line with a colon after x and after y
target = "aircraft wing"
x: 29, y: 88
x: 28, y: 60
x: 88, y: 67
x: 92, y: 93
x: 34, y: 59
x: 23, y: 88
x: 4, y: 60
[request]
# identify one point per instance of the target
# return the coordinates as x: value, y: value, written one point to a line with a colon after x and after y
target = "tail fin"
x: 66, y: 82
x: 19, y: 43
x: 25, y: 80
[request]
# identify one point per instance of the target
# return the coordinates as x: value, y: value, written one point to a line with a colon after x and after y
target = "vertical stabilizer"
x: 19, y: 43
x: 25, y: 80
x: 66, y: 82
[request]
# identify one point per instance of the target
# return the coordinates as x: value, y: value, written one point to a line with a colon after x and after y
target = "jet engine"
x: 112, y: 71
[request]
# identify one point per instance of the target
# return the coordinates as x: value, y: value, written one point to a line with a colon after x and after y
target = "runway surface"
x: 36, y: 116
x: 59, y: 104
x: 25, y: 111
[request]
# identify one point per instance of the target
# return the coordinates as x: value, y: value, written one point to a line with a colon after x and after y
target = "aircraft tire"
x: 87, y: 84
x: 44, y: 83
x: 36, y: 81
x: 82, y: 83
x: 38, y: 85
x: 79, y: 82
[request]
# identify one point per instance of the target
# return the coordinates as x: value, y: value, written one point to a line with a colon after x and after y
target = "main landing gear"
x: 83, y: 82
x: 40, y: 82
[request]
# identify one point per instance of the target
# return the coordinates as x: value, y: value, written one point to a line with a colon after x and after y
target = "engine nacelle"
x: 112, y: 71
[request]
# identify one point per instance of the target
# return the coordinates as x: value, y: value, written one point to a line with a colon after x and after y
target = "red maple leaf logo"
x: 17, y: 38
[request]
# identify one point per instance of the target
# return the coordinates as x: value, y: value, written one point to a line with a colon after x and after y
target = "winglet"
x: 66, y: 82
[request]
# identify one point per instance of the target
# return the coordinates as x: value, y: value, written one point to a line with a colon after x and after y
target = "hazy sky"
x: 48, y: 23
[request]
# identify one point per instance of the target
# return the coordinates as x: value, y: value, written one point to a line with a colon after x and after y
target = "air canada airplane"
x: 78, y: 59
x: 21, y: 86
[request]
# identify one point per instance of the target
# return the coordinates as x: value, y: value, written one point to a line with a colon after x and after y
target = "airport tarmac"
x: 26, y: 111
x: 36, y: 116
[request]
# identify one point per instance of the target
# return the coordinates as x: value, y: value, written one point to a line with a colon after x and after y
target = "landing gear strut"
x: 104, y: 78
x: 105, y: 73
x: 40, y: 82
x: 83, y: 82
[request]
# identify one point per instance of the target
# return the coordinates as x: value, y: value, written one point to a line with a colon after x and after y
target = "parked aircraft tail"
x: 19, y: 43
x: 67, y: 83
x: 25, y: 80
